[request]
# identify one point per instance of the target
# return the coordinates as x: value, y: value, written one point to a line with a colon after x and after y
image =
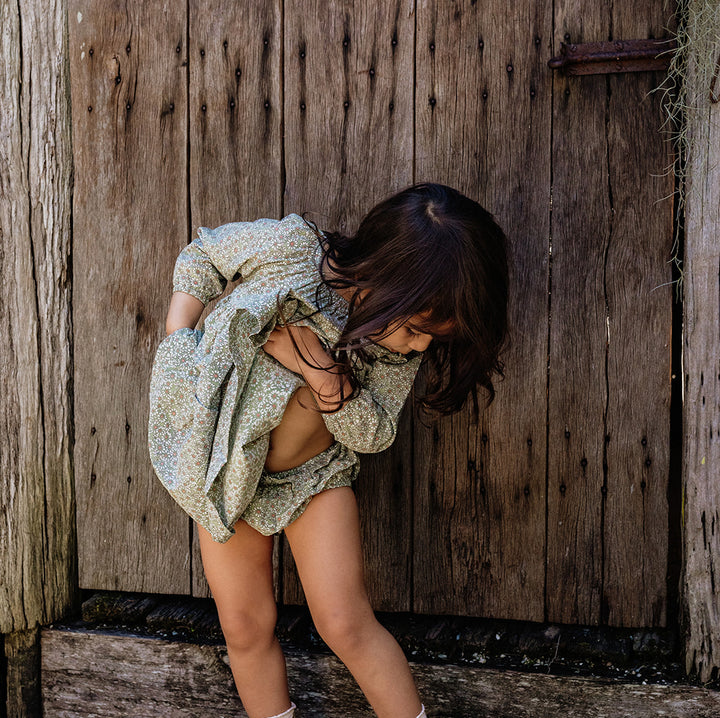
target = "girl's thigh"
x: 239, y: 571
x: 325, y: 542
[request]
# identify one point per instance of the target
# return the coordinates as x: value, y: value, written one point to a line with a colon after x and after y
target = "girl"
x: 255, y: 421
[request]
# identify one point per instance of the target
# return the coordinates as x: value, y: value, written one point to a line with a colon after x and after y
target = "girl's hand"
x: 328, y: 388
x: 280, y: 346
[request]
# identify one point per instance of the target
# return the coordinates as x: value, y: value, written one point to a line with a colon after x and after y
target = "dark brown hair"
x: 427, y: 250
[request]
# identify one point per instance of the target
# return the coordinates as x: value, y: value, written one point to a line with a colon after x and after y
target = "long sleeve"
x: 368, y: 423
x: 224, y: 254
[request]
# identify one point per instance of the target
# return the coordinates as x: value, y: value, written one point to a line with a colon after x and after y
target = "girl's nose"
x: 420, y: 342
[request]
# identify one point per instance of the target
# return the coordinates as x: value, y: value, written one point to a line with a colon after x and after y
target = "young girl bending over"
x: 255, y: 421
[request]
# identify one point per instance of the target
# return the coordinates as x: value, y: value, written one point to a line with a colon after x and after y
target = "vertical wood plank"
x: 581, y: 215
x: 639, y: 301
x: 38, y: 575
x: 129, y: 98
x: 235, y: 125
x: 348, y: 144
x: 701, y: 360
x: 483, y: 125
x: 22, y: 656
x: 610, y: 336
x: 385, y: 496
x: 348, y: 107
x: 37, y: 531
x: 235, y: 111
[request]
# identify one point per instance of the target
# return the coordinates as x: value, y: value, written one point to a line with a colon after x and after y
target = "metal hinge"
x: 599, y: 58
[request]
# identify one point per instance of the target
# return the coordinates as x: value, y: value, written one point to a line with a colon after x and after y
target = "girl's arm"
x: 237, y: 251
x: 184, y: 311
x: 326, y: 387
x: 367, y: 423
x: 213, y: 258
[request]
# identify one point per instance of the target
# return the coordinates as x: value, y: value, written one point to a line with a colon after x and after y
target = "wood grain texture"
x: 37, y: 530
x: 610, y: 315
x: 235, y: 131
x: 348, y: 107
x: 92, y: 674
x: 701, y: 381
x: 348, y: 143
x: 129, y: 96
x: 639, y: 304
x: 483, y: 126
x: 385, y: 495
x: 529, y: 512
x: 578, y: 332
x: 22, y: 682
x: 235, y: 111
x: 97, y: 675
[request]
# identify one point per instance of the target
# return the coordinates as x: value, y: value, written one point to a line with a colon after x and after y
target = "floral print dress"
x: 215, y: 395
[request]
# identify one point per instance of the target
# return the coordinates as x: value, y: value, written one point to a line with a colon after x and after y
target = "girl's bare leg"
x: 325, y: 542
x: 240, y: 576
x: 240, y: 573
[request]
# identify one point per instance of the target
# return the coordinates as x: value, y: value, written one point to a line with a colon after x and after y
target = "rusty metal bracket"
x: 600, y: 58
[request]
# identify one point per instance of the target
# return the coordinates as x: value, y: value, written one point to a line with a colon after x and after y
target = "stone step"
x: 103, y: 673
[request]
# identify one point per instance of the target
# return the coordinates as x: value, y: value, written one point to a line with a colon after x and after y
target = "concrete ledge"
x: 93, y: 673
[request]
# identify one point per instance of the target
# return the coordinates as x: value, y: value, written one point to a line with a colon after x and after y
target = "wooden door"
x: 552, y: 504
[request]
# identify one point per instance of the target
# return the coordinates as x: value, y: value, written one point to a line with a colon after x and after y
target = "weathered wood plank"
x: 93, y: 675
x: 644, y: 654
x: 22, y: 682
x: 639, y: 302
x: 129, y: 96
x: 701, y: 365
x: 385, y: 495
x: 348, y: 107
x: 578, y: 331
x: 235, y: 126
x: 96, y: 674
x: 483, y: 125
x: 37, y: 531
x: 349, y: 143
x: 608, y: 410
x: 235, y: 111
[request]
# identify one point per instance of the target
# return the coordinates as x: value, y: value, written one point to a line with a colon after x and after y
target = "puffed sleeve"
x: 368, y: 423
x: 220, y: 255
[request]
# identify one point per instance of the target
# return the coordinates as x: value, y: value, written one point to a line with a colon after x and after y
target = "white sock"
x: 289, y: 713
x: 422, y: 713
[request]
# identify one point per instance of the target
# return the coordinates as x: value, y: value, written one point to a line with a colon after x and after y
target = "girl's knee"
x: 345, y: 628
x: 248, y: 628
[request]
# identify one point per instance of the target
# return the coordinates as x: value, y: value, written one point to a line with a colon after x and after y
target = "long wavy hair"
x: 431, y: 251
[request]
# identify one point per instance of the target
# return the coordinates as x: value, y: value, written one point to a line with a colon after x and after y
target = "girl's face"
x: 404, y: 337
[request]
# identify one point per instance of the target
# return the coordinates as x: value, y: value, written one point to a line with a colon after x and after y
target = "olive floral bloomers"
x: 215, y: 395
